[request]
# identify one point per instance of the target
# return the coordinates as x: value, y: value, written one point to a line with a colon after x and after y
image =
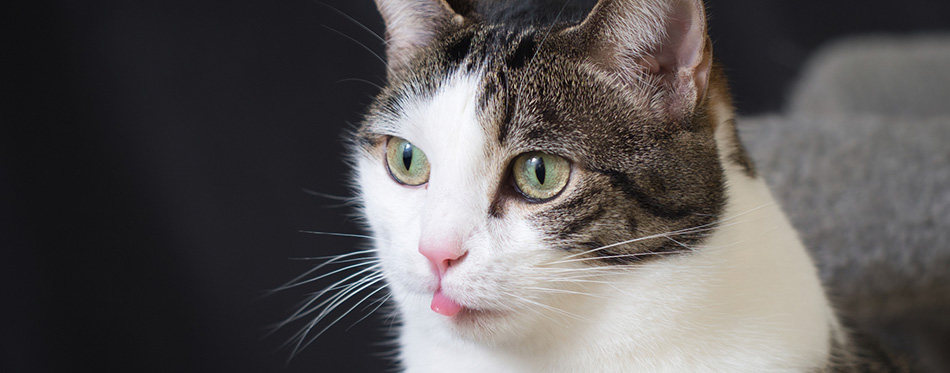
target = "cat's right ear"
x: 653, y: 44
x: 413, y: 24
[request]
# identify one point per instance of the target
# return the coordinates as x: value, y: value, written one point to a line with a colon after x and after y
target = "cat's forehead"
x: 534, y: 91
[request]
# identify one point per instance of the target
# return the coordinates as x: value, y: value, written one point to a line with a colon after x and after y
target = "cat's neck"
x: 747, y: 299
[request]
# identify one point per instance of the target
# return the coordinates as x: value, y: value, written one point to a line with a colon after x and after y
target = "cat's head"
x: 511, y: 162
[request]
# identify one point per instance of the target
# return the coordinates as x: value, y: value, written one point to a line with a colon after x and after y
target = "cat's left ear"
x: 413, y: 24
x: 653, y: 41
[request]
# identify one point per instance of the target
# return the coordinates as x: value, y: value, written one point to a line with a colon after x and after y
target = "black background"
x: 153, y: 156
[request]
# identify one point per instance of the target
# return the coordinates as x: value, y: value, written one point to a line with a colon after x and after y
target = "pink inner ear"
x: 682, y: 56
x: 410, y: 25
x: 651, y: 64
x: 686, y: 38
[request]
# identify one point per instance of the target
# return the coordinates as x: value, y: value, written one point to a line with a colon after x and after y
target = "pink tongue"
x: 443, y: 305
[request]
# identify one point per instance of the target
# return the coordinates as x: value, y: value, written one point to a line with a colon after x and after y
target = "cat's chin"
x: 475, y: 318
x: 493, y: 327
x: 484, y: 326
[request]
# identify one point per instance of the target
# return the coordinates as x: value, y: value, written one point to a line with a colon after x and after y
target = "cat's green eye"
x: 406, y: 162
x: 540, y: 176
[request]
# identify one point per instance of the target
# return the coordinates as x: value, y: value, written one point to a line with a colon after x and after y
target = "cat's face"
x: 505, y: 171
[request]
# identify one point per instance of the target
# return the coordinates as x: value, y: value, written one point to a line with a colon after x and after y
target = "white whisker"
x: 379, y: 303
x: 377, y: 86
x: 556, y: 18
x: 330, y: 308
x: 561, y: 291
x: 620, y: 256
x: 325, y: 275
x: 351, y: 19
x: 337, y: 234
x: 547, y: 307
x: 327, y: 196
x: 368, y: 49
x: 692, y: 230
x: 330, y: 260
x: 308, y: 308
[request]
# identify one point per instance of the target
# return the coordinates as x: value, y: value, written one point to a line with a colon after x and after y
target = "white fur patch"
x: 445, y: 128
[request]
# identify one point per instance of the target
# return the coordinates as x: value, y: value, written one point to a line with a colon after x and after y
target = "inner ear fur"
x: 411, y: 25
x: 653, y: 45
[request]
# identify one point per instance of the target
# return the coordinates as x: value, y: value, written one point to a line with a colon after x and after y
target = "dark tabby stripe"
x: 526, y: 50
x: 489, y: 91
x: 456, y: 52
x: 581, y: 222
x: 621, y: 257
x: 644, y: 200
x: 508, y: 108
x: 606, y: 256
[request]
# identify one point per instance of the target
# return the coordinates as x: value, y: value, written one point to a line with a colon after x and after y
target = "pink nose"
x: 442, y: 256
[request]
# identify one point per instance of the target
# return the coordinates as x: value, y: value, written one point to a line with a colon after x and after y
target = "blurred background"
x: 155, y: 158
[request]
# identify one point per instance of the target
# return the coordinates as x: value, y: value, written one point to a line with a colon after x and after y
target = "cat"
x: 559, y: 186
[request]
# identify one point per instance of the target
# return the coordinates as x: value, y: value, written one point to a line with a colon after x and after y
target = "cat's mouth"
x: 449, y: 307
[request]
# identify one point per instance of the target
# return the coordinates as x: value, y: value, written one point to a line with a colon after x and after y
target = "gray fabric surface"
x: 886, y: 75
x: 861, y: 163
x: 870, y: 198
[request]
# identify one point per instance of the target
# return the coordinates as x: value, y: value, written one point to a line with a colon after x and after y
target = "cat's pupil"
x: 539, y: 169
x: 407, y: 156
